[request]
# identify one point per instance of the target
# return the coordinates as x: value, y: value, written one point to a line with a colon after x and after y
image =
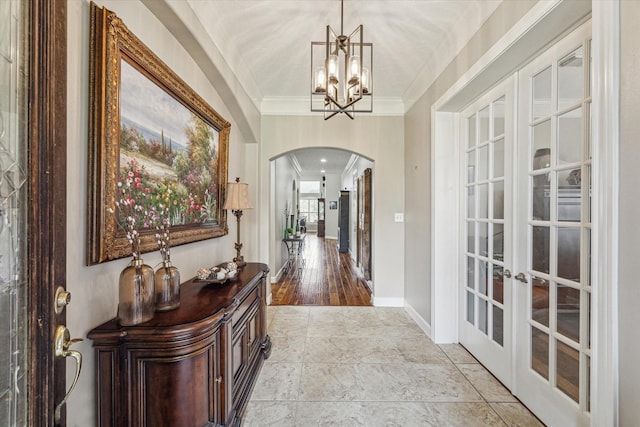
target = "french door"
x: 554, y: 232
x: 526, y: 294
x: 486, y: 329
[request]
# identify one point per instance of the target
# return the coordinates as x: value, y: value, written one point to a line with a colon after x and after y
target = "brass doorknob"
x: 62, y: 342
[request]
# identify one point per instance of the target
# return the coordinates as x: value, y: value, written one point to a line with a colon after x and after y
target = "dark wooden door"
x: 321, y: 224
x: 366, y: 223
x: 45, y: 118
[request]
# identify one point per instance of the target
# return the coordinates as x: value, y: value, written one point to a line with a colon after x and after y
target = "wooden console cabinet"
x: 194, y: 366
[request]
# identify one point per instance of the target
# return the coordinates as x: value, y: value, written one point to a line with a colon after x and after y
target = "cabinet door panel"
x: 238, y: 354
x: 189, y: 381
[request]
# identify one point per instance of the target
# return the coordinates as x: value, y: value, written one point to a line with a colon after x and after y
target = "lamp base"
x: 239, y: 260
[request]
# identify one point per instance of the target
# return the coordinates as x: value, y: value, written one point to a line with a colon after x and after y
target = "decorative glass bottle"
x: 167, y: 282
x: 137, y: 297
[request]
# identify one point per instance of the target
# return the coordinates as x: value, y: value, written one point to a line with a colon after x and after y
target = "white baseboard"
x: 330, y: 238
x: 276, y: 277
x: 426, y: 328
x: 388, y: 302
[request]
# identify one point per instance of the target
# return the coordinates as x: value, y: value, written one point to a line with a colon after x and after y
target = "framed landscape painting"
x: 154, y: 144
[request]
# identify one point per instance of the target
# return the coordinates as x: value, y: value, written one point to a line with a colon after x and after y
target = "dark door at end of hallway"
x: 363, y: 258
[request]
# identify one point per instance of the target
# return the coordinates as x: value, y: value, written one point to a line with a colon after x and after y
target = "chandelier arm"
x: 331, y: 115
x: 341, y: 17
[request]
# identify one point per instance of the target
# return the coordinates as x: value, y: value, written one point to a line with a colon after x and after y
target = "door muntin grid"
x: 559, y: 227
x: 484, y: 221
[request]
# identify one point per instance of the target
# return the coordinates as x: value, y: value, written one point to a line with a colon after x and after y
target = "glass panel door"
x: 554, y: 233
x: 485, y: 329
x: 13, y: 214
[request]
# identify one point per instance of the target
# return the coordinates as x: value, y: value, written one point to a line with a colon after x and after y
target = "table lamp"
x: 237, y: 200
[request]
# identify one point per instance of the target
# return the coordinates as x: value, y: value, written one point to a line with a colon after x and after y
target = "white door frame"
x: 445, y: 189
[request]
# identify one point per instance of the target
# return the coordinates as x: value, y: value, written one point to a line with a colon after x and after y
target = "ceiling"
x: 267, y: 43
x: 311, y: 164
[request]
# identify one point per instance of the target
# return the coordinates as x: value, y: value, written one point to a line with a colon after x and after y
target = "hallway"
x: 321, y: 276
x: 371, y: 366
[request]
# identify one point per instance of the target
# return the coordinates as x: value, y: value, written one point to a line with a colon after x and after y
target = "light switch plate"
x: 399, y: 217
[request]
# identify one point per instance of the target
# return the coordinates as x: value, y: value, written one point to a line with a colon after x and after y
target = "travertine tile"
x: 330, y: 414
x: 437, y: 382
x: 383, y: 330
x: 327, y: 327
x: 325, y: 314
x: 488, y: 386
x: 287, y: 348
x: 463, y: 414
x: 278, y: 381
x: 372, y: 349
x: 457, y: 353
x: 293, y: 311
x: 516, y: 415
x: 366, y: 366
x: 287, y: 326
x: 325, y: 350
x: 393, y: 316
x: 266, y: 413
x: 400, y: 414
x: 384, y: 382
x: 330, y: 382
x: 362, y: 317
x: 419, y: 350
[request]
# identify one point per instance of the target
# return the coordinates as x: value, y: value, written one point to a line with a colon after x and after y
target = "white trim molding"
x: 445, y: 223
x: 388, y: 302
x: 426, y: 328
x: 606, y: 141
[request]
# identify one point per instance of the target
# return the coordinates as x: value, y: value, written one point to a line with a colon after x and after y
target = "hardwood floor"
x: 323, y: 277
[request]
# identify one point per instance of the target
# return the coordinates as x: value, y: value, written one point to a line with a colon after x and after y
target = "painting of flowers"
x: 167, y: 152
x: 155, y: 145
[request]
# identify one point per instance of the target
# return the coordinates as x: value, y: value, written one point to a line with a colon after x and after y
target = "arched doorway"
x: 302, y: 181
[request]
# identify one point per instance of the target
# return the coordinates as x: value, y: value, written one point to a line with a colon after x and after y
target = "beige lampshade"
x: 237, y: 197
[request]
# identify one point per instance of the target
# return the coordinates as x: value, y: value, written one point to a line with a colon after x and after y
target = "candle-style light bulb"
x: 320, y: 80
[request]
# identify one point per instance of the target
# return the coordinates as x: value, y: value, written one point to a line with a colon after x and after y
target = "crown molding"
x: 295, y: 164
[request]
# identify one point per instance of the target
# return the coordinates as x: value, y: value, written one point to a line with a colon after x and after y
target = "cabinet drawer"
x: 239, y: 317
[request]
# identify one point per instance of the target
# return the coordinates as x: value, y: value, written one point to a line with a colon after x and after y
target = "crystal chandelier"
x: 341, y: 80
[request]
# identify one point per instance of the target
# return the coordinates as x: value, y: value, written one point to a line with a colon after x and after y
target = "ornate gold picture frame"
x: 153, y: 136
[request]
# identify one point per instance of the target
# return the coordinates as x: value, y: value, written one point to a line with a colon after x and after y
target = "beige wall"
x: 417, y: 173
x: 95, y: 289
x: 629, y: 286
x: 378, y: 138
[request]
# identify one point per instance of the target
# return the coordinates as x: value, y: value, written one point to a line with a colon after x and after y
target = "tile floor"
x: 371, y: 366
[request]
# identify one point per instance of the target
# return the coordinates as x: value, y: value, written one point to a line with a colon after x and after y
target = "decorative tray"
x: 217, y: 274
